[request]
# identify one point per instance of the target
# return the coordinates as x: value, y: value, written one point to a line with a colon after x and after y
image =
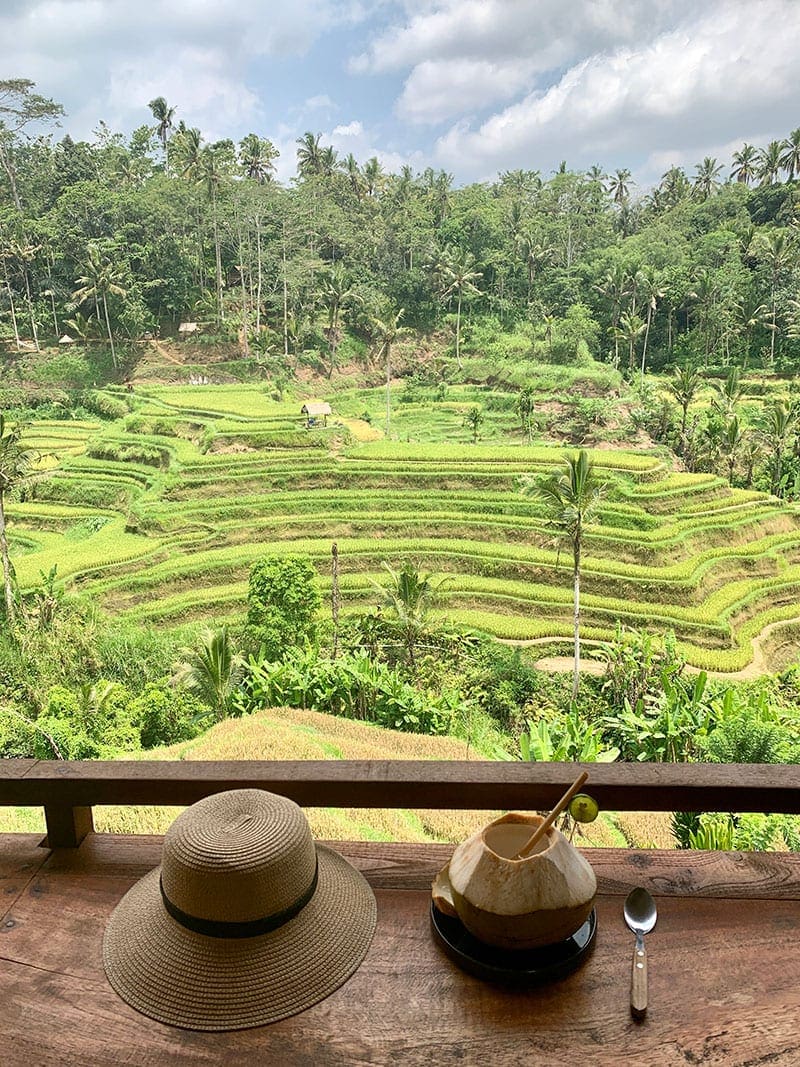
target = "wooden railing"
x: 68, y: 790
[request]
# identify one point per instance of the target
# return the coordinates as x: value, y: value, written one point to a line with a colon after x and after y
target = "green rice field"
x: 158, y: 517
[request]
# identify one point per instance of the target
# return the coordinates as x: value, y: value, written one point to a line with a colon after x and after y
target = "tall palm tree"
x: 790, y: 158
x: 674, y: 186
x: 684, y: 385
x: 571, y: 501
x: 779, y: 252
x: 780, y: 423
x: 309, y: 154
x: 706, y: 179
x: 534, y: 252
x: 256, y: 156
x: 630, y: 329
x: 374, y: 177
x: 101, y: 279
x: 385, y: 332
x: 619, y: 184
x: 745, y: 163
x: 351, y: 168
x: 328, y: 161
x: 15, y: 465
x: 336, y: 287
x: 614, y: 286
x: 210, y: 176
x: 652, y: 291
x: 733, y: 437
x: 769, y: 163
x: 163, y: 114
x: 460, y: 275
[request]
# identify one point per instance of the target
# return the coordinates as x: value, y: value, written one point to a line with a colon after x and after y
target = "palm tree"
x: 790, y: 158
x: 614, y: 287
x: 733, y: 437
x: 778, y: 252
x: 728, y: 395
x: 619, y: 185
x: 212, y: 671
x: 328, y: 161
x: 351, y: 168
x: 706, y: 179
x: 385, y: 332
x: 674, y: 186
x: 210, y: 175
x: 100, y: 280
x: 15, y: 465
x: 535, y: 254
x: 769, y: 163
x: 374, y: 177
x: 308, y: 154
x: 684, y: 385
x: 459, y: 276
x: 781, y: 421
x: 571, y: 500
x: 630, y: 329
x: 652, y: 291
x: 163, y: 114
x: 336, y: 286
x: 409, y: 596
x: 744, y: 164
x: 256, y: 156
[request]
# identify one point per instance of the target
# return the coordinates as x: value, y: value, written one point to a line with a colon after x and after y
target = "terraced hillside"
x: 159, y: 516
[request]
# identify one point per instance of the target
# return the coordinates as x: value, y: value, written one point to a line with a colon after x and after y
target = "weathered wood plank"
x: 724, y: 989
x: 21, y: 857
x: 420, y: 784
x: 16, y: 768
x: 67, y: 826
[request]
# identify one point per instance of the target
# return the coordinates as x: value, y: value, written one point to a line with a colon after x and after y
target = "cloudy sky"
x: 472, y: 86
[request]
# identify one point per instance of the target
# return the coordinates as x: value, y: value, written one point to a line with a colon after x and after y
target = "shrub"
x: 282, y: 603
x: 165, y: 715
x: 104, y: 404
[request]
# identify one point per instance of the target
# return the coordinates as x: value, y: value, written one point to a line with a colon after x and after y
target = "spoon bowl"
x: 640, y: 914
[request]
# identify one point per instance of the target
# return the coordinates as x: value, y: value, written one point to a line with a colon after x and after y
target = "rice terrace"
x: 159, y: 515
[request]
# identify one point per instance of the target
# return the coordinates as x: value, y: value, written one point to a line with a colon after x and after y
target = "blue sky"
x: 471, y: 86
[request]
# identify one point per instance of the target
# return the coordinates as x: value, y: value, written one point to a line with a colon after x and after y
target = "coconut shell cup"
x: 517, y: 903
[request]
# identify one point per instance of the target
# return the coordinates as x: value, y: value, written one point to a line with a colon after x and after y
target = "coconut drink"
x: 518, y: 883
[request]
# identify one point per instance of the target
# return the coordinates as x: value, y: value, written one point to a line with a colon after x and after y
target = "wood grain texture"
x: 413, y: 784
x: 724, y: 977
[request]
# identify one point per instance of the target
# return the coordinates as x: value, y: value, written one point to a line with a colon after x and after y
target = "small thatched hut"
x: 316, y: 409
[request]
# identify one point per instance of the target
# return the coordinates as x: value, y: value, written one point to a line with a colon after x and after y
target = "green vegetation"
x: 168, y: 515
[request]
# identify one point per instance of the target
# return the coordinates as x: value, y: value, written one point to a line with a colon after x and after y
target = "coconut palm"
x: 163, y: 114
x: 212, y: 671
x: 16, y: 463
x: 652, y: 291
x: 732, y: 439
x: 535, y: 254
x: 674, y: 186
x: 630, y: 329
x: 409, y: 595
x: 790, y: 157
x: 684, y: 385
x: 336, y: 287
x: 619, y: 184
x: 706, y: 179
x: 459, y: 276
x: 745, y: 164
x: 571, y: 501
x: 614, y: 286
x: 374, y: 177
x: 309, y: 154
x: 351, y: 168
x: 778, y: 251
x: 780, y: 424
x: 385, y: 332
x: 769, y: 163
x: 101, y: 279
x: 256, y: 156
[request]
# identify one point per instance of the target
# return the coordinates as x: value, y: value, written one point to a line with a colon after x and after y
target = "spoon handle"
x: 639, y: 980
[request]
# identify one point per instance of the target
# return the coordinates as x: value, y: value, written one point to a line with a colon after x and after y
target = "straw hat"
x: 246, y: 921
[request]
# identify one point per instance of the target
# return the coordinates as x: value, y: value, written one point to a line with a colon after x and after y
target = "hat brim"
x: 186, y: 979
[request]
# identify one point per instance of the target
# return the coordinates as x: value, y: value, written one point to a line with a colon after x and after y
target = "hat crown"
x: 238, y: 856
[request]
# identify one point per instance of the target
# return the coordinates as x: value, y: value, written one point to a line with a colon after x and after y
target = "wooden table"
x: 724, y: 971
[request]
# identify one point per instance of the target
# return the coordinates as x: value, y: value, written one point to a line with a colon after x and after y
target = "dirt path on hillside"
x: 563, y: 664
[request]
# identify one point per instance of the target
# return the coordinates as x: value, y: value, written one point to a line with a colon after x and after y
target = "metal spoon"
x: 640, y: 915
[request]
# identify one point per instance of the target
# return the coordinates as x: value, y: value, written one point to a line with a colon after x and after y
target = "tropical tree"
x: 409, y: 596
x: 769, y: 163
x: 525, y: 408
x: 385, y: 332
x: 790, y: 157
x: 19, y: 107
x: 163, y: 114
x: 780, y: 424
x: 212, y: 671
x: 652, y: 291
x: 778, y: 251
x: 474, y: 419
x: 745, y: 164
x: 706, y: 179
x: 731, y: 441
x: 309, y: 154
x: 684, y: 385
x: 16, y: 463
x: 256, y: 156
x: 630, y: 329
x: 571, y: 501
x: 210, y: 174
x: 336, y: 288
x: 619, y: 184
x: 459, y: 275
x: 614, y: 287
x: 100, y: 280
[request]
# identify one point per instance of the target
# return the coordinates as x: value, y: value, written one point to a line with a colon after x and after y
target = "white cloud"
x: 108, y: 58
x: 352, y: 129
x: 699, y: 84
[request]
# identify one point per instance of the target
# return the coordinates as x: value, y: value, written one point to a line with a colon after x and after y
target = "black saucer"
x: 512, y: 966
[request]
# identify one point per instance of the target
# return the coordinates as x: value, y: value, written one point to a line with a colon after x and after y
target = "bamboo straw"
x: 542, y: 829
